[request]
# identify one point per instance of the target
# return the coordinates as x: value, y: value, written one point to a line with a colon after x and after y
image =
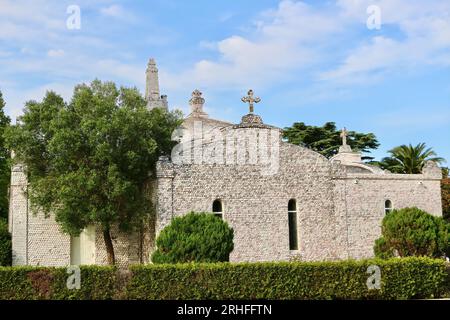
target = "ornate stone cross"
x: 250, y: 99
x: 344, y: 135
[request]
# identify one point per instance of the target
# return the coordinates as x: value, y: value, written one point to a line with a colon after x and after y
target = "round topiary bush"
x: 195, y: 237
x: 5, y: 245
x: 412, y: 232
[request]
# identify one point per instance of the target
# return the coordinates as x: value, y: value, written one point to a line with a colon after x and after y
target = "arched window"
x: 217, y: 208
x: 292, y: 220
x: 388, y: 206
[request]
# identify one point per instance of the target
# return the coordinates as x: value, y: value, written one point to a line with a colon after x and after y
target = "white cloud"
x: 285, y: 40
x: 4, y: 53
x: 295, y: 40
x: 299, y: 38
x: 118, y: 12
x: 16, y: 97
x: 425, y: 39
x: 55, y: 53
x: 368, y: 61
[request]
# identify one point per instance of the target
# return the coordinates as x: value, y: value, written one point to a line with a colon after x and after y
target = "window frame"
x: 220, y: 213
x: 293, y: 225
x: 387, y: 209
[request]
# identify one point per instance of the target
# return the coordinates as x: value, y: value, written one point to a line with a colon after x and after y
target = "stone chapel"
x: 283, y: 201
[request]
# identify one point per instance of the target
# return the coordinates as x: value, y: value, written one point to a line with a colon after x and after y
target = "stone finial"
x: 196, y: 102
x: 152, y: 64
x: 250, y: 100
x: 345, y: 147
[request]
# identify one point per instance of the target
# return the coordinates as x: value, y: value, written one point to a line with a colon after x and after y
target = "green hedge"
x: 5, y: 244
x: 400, y: 279
x: 35, y: 283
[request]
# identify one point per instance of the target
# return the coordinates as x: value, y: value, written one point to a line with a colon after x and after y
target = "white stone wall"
x: 127, y: 248
x: 18, y: 207
x: 255, y: 206
x: 340, y: 209
x: 365, y: 203
x: 38, y: 240
x: 47, y: 245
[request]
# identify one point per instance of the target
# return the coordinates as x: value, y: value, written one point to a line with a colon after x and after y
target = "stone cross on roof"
x: 250, y: 99
x: 345, y: 147
x: 344, y: 135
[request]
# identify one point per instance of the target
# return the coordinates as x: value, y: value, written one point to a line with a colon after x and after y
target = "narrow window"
x: 292, y: 217
x: 387, y: 206
x: 217, y: 208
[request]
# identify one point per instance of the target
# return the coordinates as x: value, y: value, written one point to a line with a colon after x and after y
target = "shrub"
x: 382, y: 250
x: 5, y: 245
x: 37, y: 283
x: 401, y: 278
x: 412, y: 232
x: 195, y: 237
x: 445, y: 189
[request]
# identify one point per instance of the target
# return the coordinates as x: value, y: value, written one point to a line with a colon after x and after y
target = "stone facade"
x: 38, y: 240
x: 340, y: 202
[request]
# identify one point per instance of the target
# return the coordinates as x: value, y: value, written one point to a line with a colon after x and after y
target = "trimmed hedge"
x: 400, y: 279
x: 37, y: 283
x: 5, y: 244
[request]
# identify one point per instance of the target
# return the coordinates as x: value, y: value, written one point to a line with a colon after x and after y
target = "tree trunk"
x: 109, y: 246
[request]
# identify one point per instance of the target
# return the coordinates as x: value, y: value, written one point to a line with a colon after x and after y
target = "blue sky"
x: 310, y: 61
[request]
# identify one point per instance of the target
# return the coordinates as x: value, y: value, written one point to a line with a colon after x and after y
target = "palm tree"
x: 409, y: 159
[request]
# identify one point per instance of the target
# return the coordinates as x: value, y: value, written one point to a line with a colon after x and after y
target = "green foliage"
x: 37, y: 283
x: 326, y: 139
x: 382, y: 250
x: 4, y: 161
x: 5, y: 244
x: 409, y: 159
x: 445, y: 172
x: 400, y: 279
x: 413, y: 232
x: 195, y: 237
x: 89, y: 161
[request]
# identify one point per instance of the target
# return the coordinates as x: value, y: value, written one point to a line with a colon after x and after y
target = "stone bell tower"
x: 152, y: 95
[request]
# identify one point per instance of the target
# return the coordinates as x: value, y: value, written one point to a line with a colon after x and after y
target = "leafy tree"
x: 413, y: 232
x: 382, y: 250
x: 195, y: 237
x: 4, y: 161
x: 5, y: 244
x: 409, y: 159
x: 445, y: 189
x: 327, y: 139
x: 89, y: 161
x: 445, y: 172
